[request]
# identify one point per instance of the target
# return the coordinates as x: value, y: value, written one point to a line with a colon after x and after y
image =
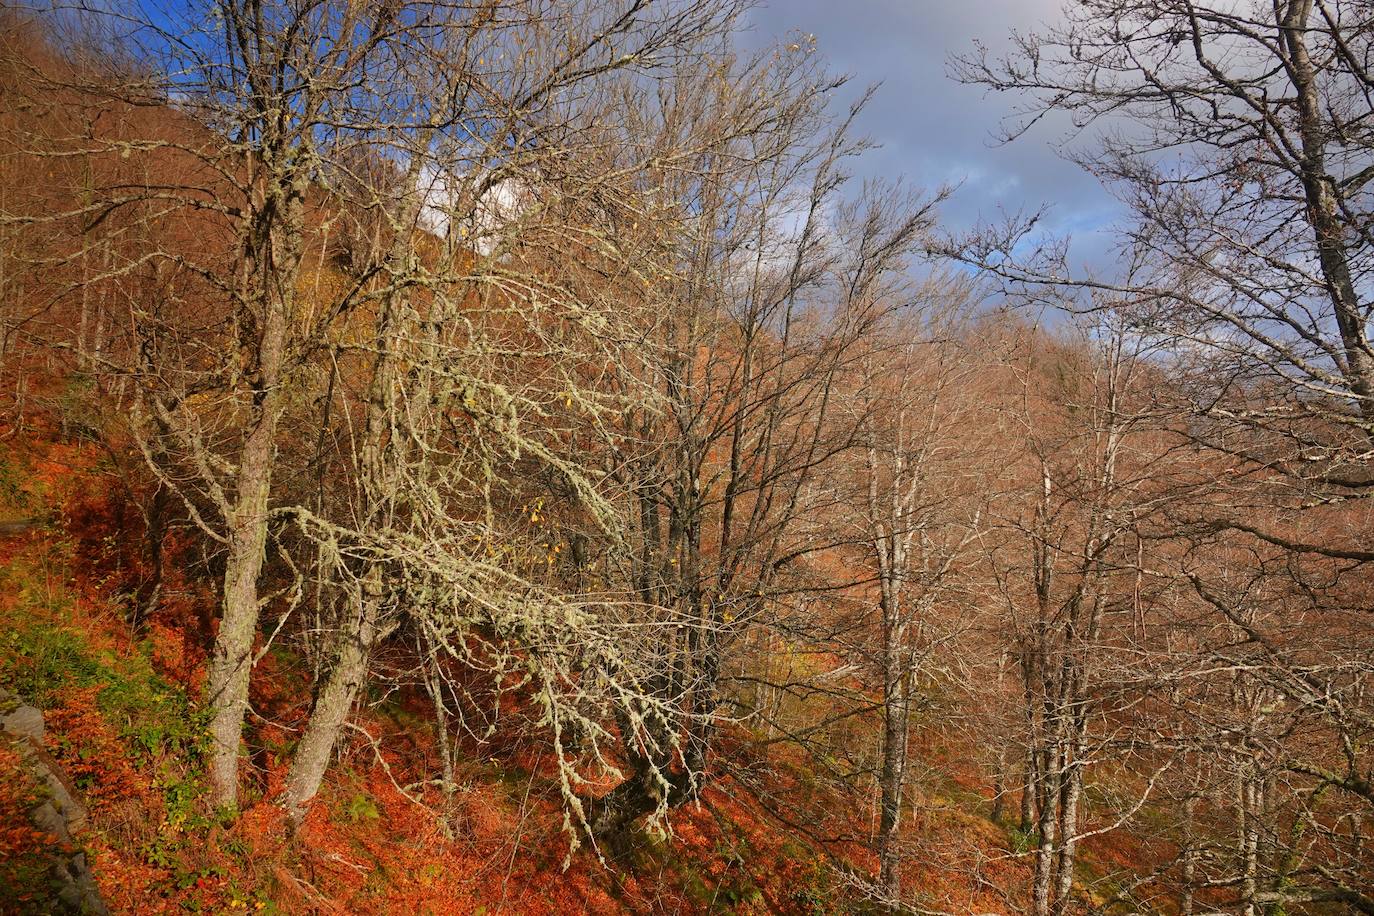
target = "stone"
x: 60, y: 789
x: 79, y: 893
x: 48, y: 819
x: 59, y: 814
x: 24, y: 722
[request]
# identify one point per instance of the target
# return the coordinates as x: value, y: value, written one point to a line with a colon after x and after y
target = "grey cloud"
x: 934, y: 130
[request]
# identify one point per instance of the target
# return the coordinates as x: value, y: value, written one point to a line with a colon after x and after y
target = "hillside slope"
x: 125, y: 723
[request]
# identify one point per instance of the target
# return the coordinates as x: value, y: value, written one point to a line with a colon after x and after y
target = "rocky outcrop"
x: 60, y: 813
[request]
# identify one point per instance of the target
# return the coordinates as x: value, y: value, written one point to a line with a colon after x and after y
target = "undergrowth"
x: 124, y: 722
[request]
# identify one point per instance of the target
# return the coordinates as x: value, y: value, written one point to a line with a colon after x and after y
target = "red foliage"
x: 88, y: 747
x: 19, y: 839
x: 367, y: 846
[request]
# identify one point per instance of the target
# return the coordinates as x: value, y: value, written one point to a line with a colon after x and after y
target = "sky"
x: 934, y: 130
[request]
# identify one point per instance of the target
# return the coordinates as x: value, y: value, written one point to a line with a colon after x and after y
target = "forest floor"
x: 123, y: 721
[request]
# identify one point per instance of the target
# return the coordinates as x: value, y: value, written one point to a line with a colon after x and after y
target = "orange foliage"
x: 24, y: 850
x: 366, y: 846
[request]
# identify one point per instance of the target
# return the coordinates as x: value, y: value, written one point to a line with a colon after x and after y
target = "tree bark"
x: 335, y: 701
x: 272, y: 261
x: 1045, y: 842
x: 1070, y: 791
x: 1249, y: 804
x: 362, y: 630
x: 893, y: 780
x: 1027, y: 819
x: 1323, y: 210
x: 231, y: 662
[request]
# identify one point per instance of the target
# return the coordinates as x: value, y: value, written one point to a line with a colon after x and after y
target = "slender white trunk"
x: 1072, y: 780
x: 1045, y: 846
x: 893, y: 779
x: 1185, y: 906
x: 1249, y: 805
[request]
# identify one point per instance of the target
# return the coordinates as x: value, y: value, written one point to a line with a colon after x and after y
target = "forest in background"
x: 494, y: 456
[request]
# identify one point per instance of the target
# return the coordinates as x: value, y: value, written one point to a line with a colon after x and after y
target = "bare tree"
x: 498, y: 330
x: 763, y: 312
x: 917, y: 522
x: 1233, y: 135
x: 267, y: 107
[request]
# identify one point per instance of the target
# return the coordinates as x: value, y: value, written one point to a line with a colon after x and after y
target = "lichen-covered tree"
x: 235, y: 312
x: 499, y: 317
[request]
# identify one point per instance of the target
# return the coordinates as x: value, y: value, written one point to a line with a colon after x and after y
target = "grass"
x: 132, y: 742
x: 42, y: 658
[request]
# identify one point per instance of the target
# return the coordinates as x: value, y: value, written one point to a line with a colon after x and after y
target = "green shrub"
x: 39, y: 662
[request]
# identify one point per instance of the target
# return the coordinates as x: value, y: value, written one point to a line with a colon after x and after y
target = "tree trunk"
x: 362, y: 630
x: 1249, y: 806
x: 893, y: 775
x: 1045, y: 843
x: 1072, y: 789
x: 1185, y: 906
x: 1323, y: 211
x: 149, y: 592
x: 273, y: 252
x: 434, y: 684
x: 230, y: 665
x: 335, y: 701
x: 1027, y: 819
x: 614, y: 814
x: 999, y: 787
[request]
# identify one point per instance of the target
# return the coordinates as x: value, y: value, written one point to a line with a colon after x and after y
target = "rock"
x: 60, y: 814
x: 24, y: 722
x: 78, y: 892
x: 47, y: 818
x: 61, y: 791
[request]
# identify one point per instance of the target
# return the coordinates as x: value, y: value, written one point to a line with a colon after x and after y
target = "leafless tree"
x: 1234, y: 134
x: 273, y: 107
x: 763, y: 312
x: 916, y: 520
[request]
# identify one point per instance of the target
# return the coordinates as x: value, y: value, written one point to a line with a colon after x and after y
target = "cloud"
x: 481, y: 223
x: 937, y: 131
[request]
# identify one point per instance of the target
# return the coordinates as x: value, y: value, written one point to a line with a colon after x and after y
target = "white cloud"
x: 449, y: 206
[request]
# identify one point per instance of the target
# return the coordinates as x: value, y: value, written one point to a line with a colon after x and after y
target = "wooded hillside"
x: 494, y: 456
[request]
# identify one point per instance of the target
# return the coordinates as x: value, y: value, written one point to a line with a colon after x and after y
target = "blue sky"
x: 934, y: 130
